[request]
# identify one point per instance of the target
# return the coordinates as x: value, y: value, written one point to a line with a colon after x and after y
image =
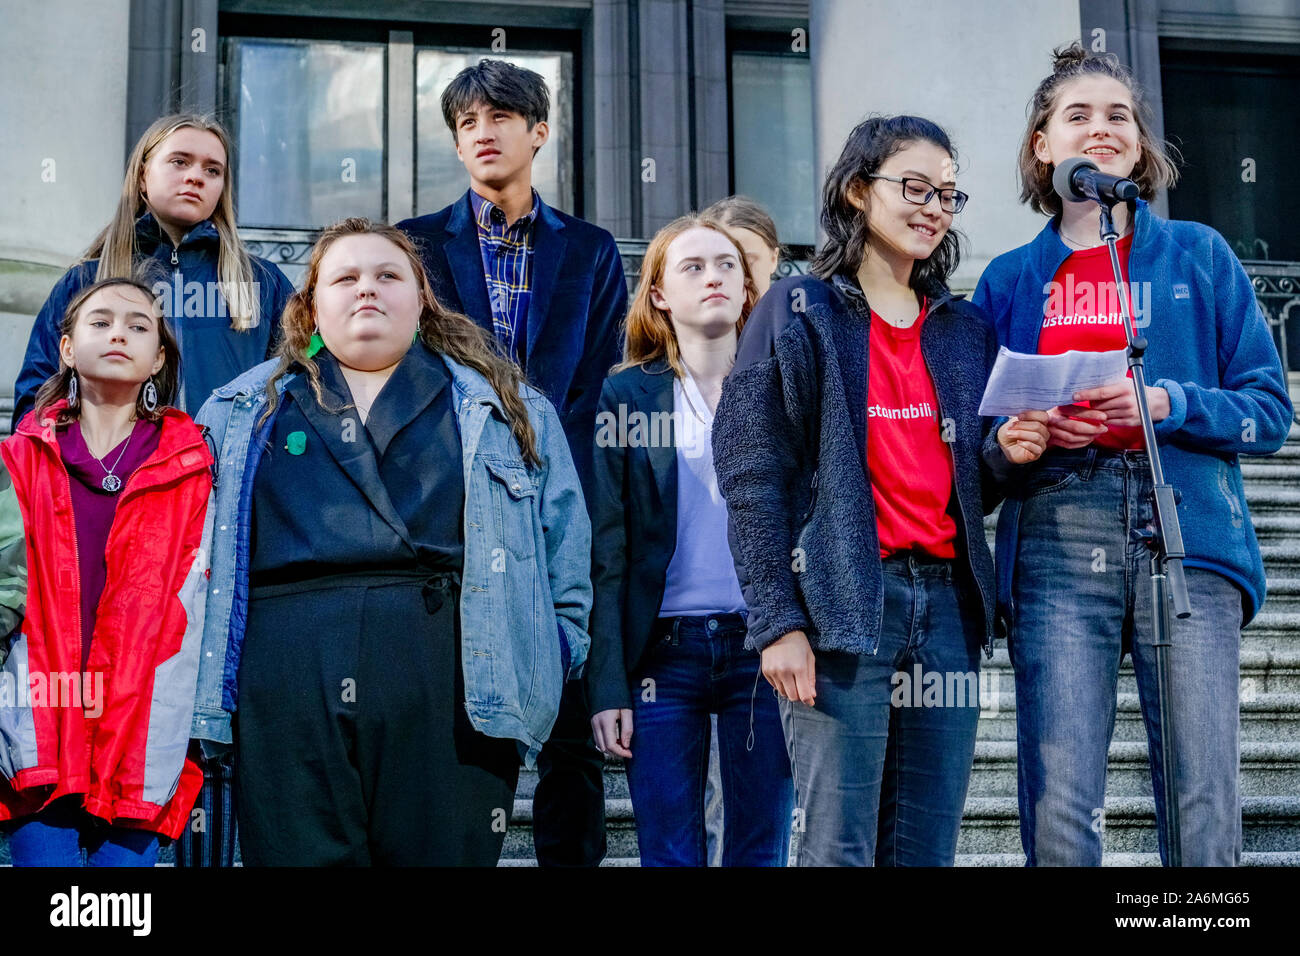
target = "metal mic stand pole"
x: 1164, y: 539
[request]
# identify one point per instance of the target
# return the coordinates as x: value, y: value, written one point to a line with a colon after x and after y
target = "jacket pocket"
x: 1049, y: 479
x: 514, y: 508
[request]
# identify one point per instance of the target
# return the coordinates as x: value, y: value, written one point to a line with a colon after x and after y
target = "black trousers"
x: 209, y: 839
x: 569, y: 804
x: 353, y: 744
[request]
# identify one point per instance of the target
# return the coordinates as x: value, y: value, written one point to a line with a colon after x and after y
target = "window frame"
x: 775, y: 43
x: 417, y: 36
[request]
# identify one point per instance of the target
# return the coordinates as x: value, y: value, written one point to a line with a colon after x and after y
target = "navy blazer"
x: 575, y: 314
x: 633, y: 531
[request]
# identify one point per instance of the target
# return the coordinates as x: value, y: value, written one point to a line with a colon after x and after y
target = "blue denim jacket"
x: 525, y: 587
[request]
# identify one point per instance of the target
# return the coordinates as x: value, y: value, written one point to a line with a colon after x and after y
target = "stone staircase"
x: 1270, y: 728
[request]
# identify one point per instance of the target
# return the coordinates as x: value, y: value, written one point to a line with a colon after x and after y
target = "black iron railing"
x: 1277, y: 288
x: 1277, y: 284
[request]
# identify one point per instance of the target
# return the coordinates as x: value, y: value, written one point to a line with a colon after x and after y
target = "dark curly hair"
x: 872, y: 142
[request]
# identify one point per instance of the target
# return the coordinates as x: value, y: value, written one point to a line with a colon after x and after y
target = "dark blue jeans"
x: 1082, y: 599
x: 700, y: 668
x: 57, y: 835
x: 882, y: 759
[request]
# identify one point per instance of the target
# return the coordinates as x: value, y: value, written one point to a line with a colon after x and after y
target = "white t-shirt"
x: 701, y: 575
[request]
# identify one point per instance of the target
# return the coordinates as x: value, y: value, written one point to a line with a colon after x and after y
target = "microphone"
x: 1078, y: 180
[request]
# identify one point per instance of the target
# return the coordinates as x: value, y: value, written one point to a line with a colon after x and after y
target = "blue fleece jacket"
x: 1209, y: 347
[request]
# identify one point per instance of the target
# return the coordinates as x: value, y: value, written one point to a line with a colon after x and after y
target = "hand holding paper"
x: 1020, y: 381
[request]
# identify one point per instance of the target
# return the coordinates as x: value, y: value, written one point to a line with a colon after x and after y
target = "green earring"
x: 315, y: 345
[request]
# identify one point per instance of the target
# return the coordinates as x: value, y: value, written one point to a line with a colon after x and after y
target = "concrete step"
x: 991, y: 825
x: 1278, y: 526
x: 1271, y: 471
x: 1267, y: 769
x: 1267, y: 718
x: 1275, y: 629
x: 1267, y: 670
x: 1284, y: 596
x: 1263, y: 499
x: 1280, y: 858
x: 1281, y: 557
x: 1269, y: 824
x: 611, y: 861
x: 1264, y: 858
x: 620, y: 830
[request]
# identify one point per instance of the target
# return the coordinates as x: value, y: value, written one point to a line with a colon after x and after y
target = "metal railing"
x: 1277, y: 284
x: 1277, y: 289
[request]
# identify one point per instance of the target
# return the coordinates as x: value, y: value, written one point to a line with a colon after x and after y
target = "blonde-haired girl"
x: 668, y: 620
x: 175, y: 224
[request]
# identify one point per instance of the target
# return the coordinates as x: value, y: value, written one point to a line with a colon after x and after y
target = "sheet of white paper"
x: 1021, y: 382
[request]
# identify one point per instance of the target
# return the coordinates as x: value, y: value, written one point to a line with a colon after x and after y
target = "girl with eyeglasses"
x: 852, y: 456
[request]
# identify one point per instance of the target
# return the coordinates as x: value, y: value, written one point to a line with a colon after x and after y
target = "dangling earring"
x: 150, y: 396
x: 316, y: 344
x: 72, y: 390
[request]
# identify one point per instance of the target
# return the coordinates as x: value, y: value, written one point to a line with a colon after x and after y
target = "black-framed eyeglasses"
x: 919, y: 192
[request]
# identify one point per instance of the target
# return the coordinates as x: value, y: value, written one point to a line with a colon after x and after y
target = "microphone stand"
x: 1164, y: 539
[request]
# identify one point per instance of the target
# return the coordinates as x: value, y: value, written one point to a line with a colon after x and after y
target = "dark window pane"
x: 1236, y: 119
x: 771, y: 117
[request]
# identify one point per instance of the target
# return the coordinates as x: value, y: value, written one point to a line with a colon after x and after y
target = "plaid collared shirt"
x: 507, y: 267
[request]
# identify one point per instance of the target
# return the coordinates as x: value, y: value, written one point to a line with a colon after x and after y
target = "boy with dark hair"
x: 550, y: 287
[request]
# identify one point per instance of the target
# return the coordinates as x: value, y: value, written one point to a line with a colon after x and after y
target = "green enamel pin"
x: 296, y: 443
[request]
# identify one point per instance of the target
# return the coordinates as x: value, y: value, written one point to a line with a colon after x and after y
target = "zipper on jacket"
x: 956, y: 487
x: 76, y: 553
x: 176, y: 259
x: 54, y: 449
x: 812, y: 497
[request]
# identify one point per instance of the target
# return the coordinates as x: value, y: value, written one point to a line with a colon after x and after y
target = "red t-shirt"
x: 910, y: 463
x: 1082, y: 312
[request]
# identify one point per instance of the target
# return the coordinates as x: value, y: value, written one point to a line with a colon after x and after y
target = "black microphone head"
x: 1063, y: 178
x: 1126, y: 190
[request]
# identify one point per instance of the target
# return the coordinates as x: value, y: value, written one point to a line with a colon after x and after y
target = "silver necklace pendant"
x: 111, y: 483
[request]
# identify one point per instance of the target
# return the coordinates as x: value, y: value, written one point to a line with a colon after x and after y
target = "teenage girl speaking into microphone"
x: 1072, y: 577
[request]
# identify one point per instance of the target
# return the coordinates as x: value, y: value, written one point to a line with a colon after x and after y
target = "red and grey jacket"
x: 117, y: 733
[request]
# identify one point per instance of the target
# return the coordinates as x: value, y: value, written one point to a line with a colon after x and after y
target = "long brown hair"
x: 443, y: 331
x: 1154, y: 170
x: 115, y: 248
x: 166, y: 380
x: 649, y: 329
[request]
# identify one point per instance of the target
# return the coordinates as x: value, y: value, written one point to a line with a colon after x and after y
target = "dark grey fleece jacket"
x: 789, y: 448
